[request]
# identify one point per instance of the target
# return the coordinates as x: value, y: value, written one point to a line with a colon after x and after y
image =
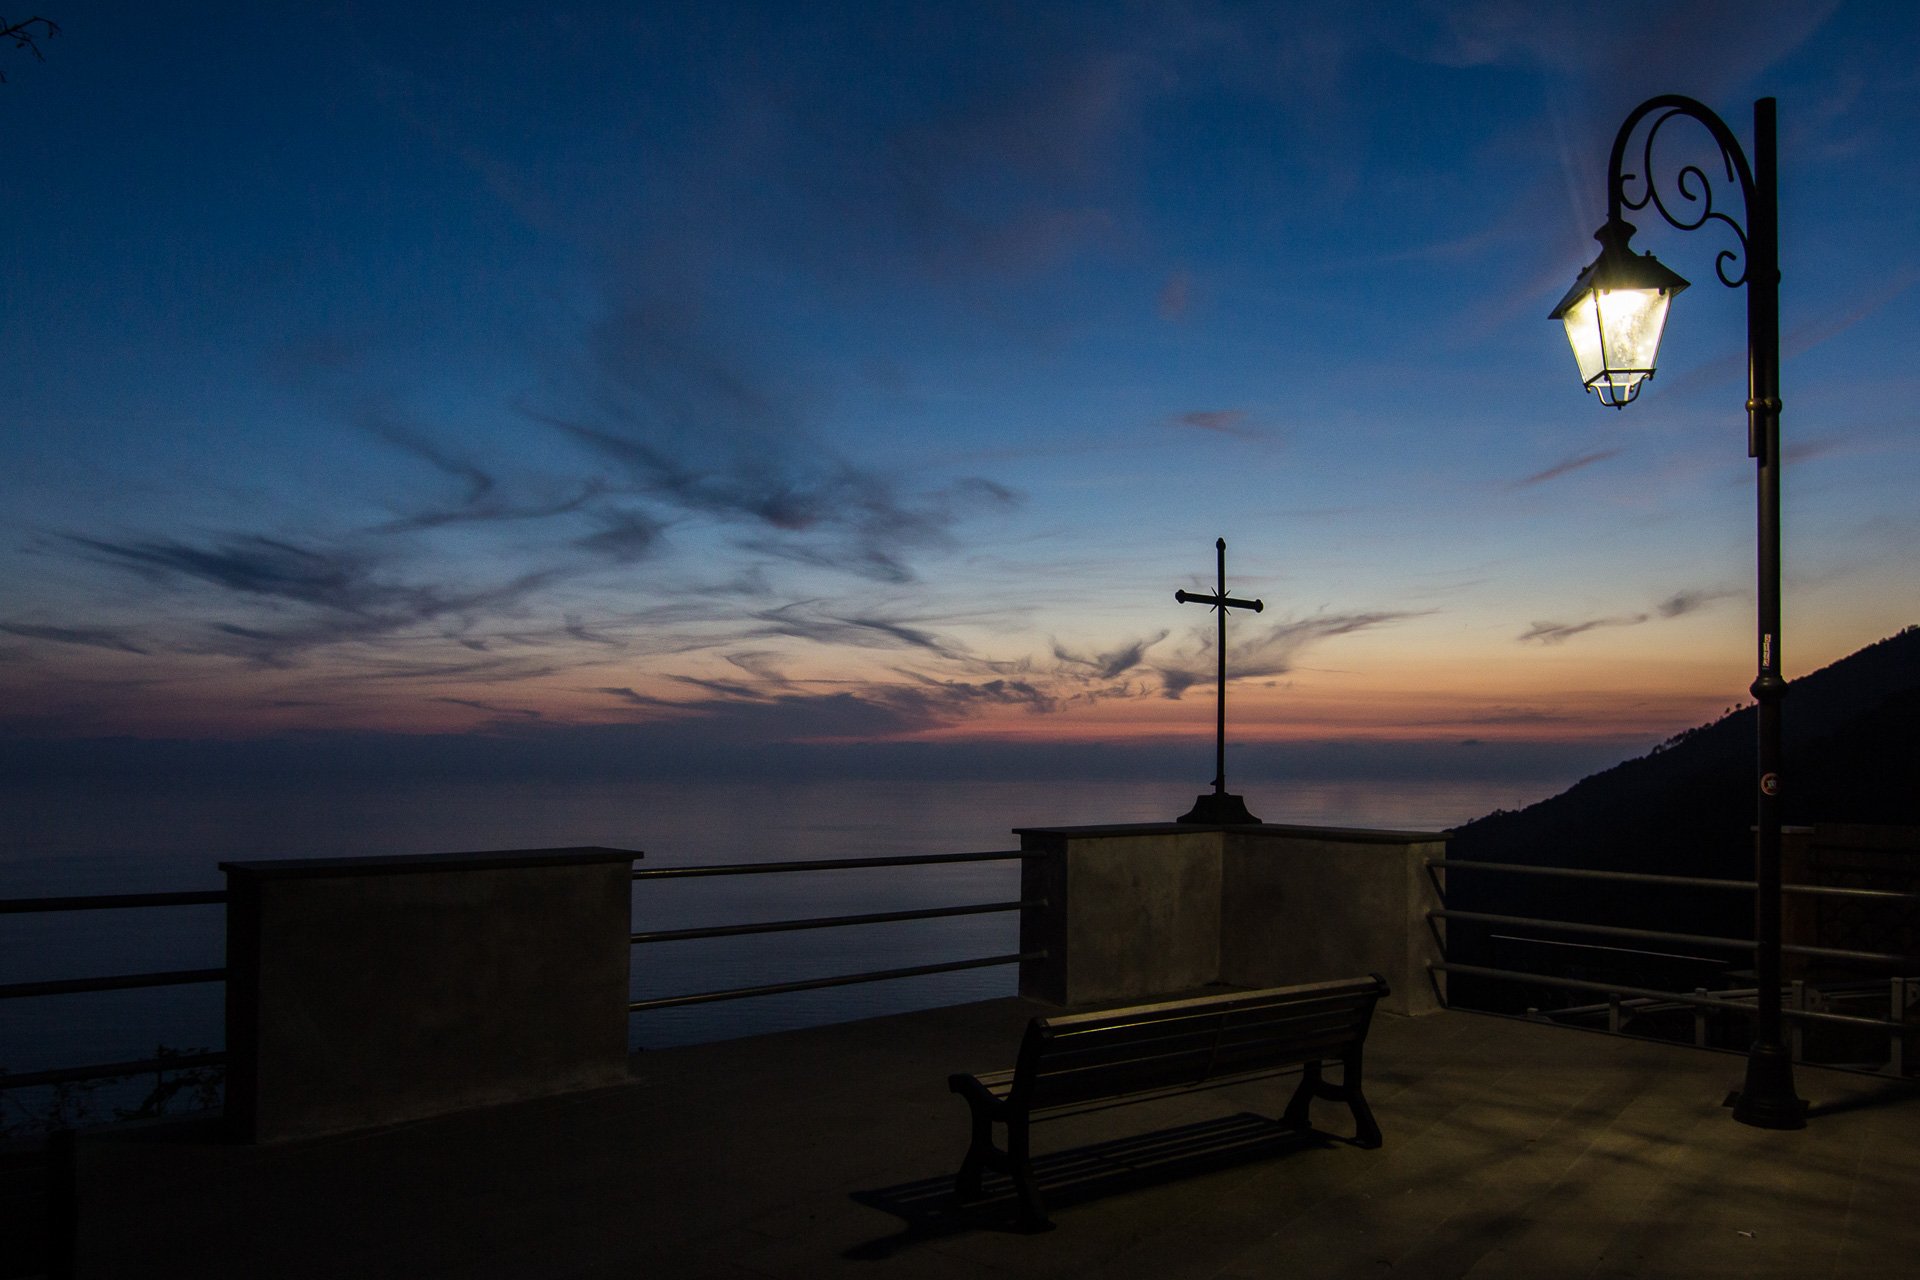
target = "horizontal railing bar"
x: 119, y: 982
x: 1659, y: 935
x: 825, y: 864
x: 1676, y: 997
x: 1842, y: 891
x: 1607, y: 930
x: 828, y: 922
x: 104, y: 1070
x: 1841, y: 953
x: 1639, y: 1004
x: 843, y: 980
x: 1583, y: 873
x: 103, y: 901
x: 1693, y: 882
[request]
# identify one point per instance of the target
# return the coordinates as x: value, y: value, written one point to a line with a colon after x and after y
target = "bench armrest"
x: 977, y: 1094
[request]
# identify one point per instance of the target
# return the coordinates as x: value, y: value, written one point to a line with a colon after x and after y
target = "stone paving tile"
x: 1548, y: 1183
x: 1512, y: 1150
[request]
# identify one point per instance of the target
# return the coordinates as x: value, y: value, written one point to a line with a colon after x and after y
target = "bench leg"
x: 1298, y: 1114
x: 966, y: 1183
x: 1033, y: 1213
x: 1367, y: 1129
x: 1313, y: 1085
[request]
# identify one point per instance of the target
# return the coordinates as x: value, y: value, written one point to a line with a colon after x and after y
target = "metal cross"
x: 1221, y: 601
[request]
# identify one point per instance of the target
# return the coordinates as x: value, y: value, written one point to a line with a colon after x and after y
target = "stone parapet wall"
x: 368, y: 991
x: 1137, y: 910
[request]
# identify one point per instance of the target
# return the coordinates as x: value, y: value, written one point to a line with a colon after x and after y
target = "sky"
x: 688, y: 380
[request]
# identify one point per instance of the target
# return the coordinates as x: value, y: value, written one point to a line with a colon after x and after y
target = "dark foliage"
x: 32, y: 1113
x: 28, y: 35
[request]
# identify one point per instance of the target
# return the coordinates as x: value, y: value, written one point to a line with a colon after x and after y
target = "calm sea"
x: 139, y: 839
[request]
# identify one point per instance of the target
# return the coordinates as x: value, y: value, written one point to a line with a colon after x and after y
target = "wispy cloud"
x: 1566, y: 467
x: 760, y: 664
x: 1559, y: 632
x: 1114, y: 662
x: 725, y: 688
x: 1226, y: 422
x: 259, y: 566
x: 577, y: 629
x: 1269, y: 651
x: 949, y: 699
x: 624, y: 537
x: 802, y: 717
x: 1004, y: 181
x: 1677, y: 605
x: 1497, y: 716
x: 690, y: 421
x: 633, y: 696
x: 86, y: 637
x: 804, y: 620
x: 483, y: 500
x: 494, y: 709
x: 342, y: 595
x: 1682, y: 603
x: 1892, y: 284
x: 1807, y: 448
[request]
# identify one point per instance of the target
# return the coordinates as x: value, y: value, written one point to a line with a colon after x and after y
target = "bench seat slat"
x: 1219, y: 1041
x: 1254, y: 1017
x: 1198, y: 1005
x: 1313, y: 1041
x: 1060, y: 1087
x: 1093, y: 1048
x: 1088, y: 1045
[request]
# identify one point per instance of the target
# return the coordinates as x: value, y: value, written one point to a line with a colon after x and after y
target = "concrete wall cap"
x: 1349, y: 835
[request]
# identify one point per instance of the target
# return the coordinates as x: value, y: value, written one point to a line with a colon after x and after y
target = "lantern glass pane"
x: 1583, y: 334
x: 1615, y: 336
x: 1631, y: 321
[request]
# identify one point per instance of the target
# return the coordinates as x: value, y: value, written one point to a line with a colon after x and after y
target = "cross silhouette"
x: 1219, y: 807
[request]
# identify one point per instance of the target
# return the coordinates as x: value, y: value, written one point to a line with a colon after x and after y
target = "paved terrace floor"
x: 1512, y: 1149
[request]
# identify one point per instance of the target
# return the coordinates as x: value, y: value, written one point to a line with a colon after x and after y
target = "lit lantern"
x: 1614, y: 315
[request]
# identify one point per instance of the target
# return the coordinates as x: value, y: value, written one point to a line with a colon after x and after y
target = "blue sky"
x: 722, y: 375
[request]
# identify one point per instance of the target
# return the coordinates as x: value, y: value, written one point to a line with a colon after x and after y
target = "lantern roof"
x: 1618, y: 267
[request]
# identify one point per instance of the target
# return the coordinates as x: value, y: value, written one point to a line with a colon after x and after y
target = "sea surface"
x: 143, y: 838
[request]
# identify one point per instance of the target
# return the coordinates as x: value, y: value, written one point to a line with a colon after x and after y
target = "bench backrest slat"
x: 1085, y: 1057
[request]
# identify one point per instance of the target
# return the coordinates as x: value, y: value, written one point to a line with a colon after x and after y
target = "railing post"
x: 63, y: 1204
x: 1432, y: 889
x: 1901, y: 996
x: 1700, y: 1021
x: 1613, y: 1015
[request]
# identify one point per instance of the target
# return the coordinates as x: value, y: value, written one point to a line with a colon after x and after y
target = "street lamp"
x: 1614, y: 316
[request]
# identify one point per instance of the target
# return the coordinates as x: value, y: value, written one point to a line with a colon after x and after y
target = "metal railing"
x: 1901, y: 985
x: 830, y: 922
x: 179, y: 977
x: 111, y: 982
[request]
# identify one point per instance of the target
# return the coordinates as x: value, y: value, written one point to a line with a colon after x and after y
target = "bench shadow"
x: 929, y: 1208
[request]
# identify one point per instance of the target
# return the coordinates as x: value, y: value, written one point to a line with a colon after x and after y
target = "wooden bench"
x: 1080, y: 1060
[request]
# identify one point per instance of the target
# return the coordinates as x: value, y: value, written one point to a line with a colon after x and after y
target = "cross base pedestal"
x: 1217, y: 808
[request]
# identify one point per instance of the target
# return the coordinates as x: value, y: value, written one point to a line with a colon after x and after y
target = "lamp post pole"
x: 1768, y: 1099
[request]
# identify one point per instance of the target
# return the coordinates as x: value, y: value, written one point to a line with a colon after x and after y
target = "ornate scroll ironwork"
x: 1692, y: 204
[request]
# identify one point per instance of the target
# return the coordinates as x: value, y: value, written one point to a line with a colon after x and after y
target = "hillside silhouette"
x: 1852, y: 755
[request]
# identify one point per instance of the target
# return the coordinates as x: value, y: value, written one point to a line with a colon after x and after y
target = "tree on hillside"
x: 28, y: 35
